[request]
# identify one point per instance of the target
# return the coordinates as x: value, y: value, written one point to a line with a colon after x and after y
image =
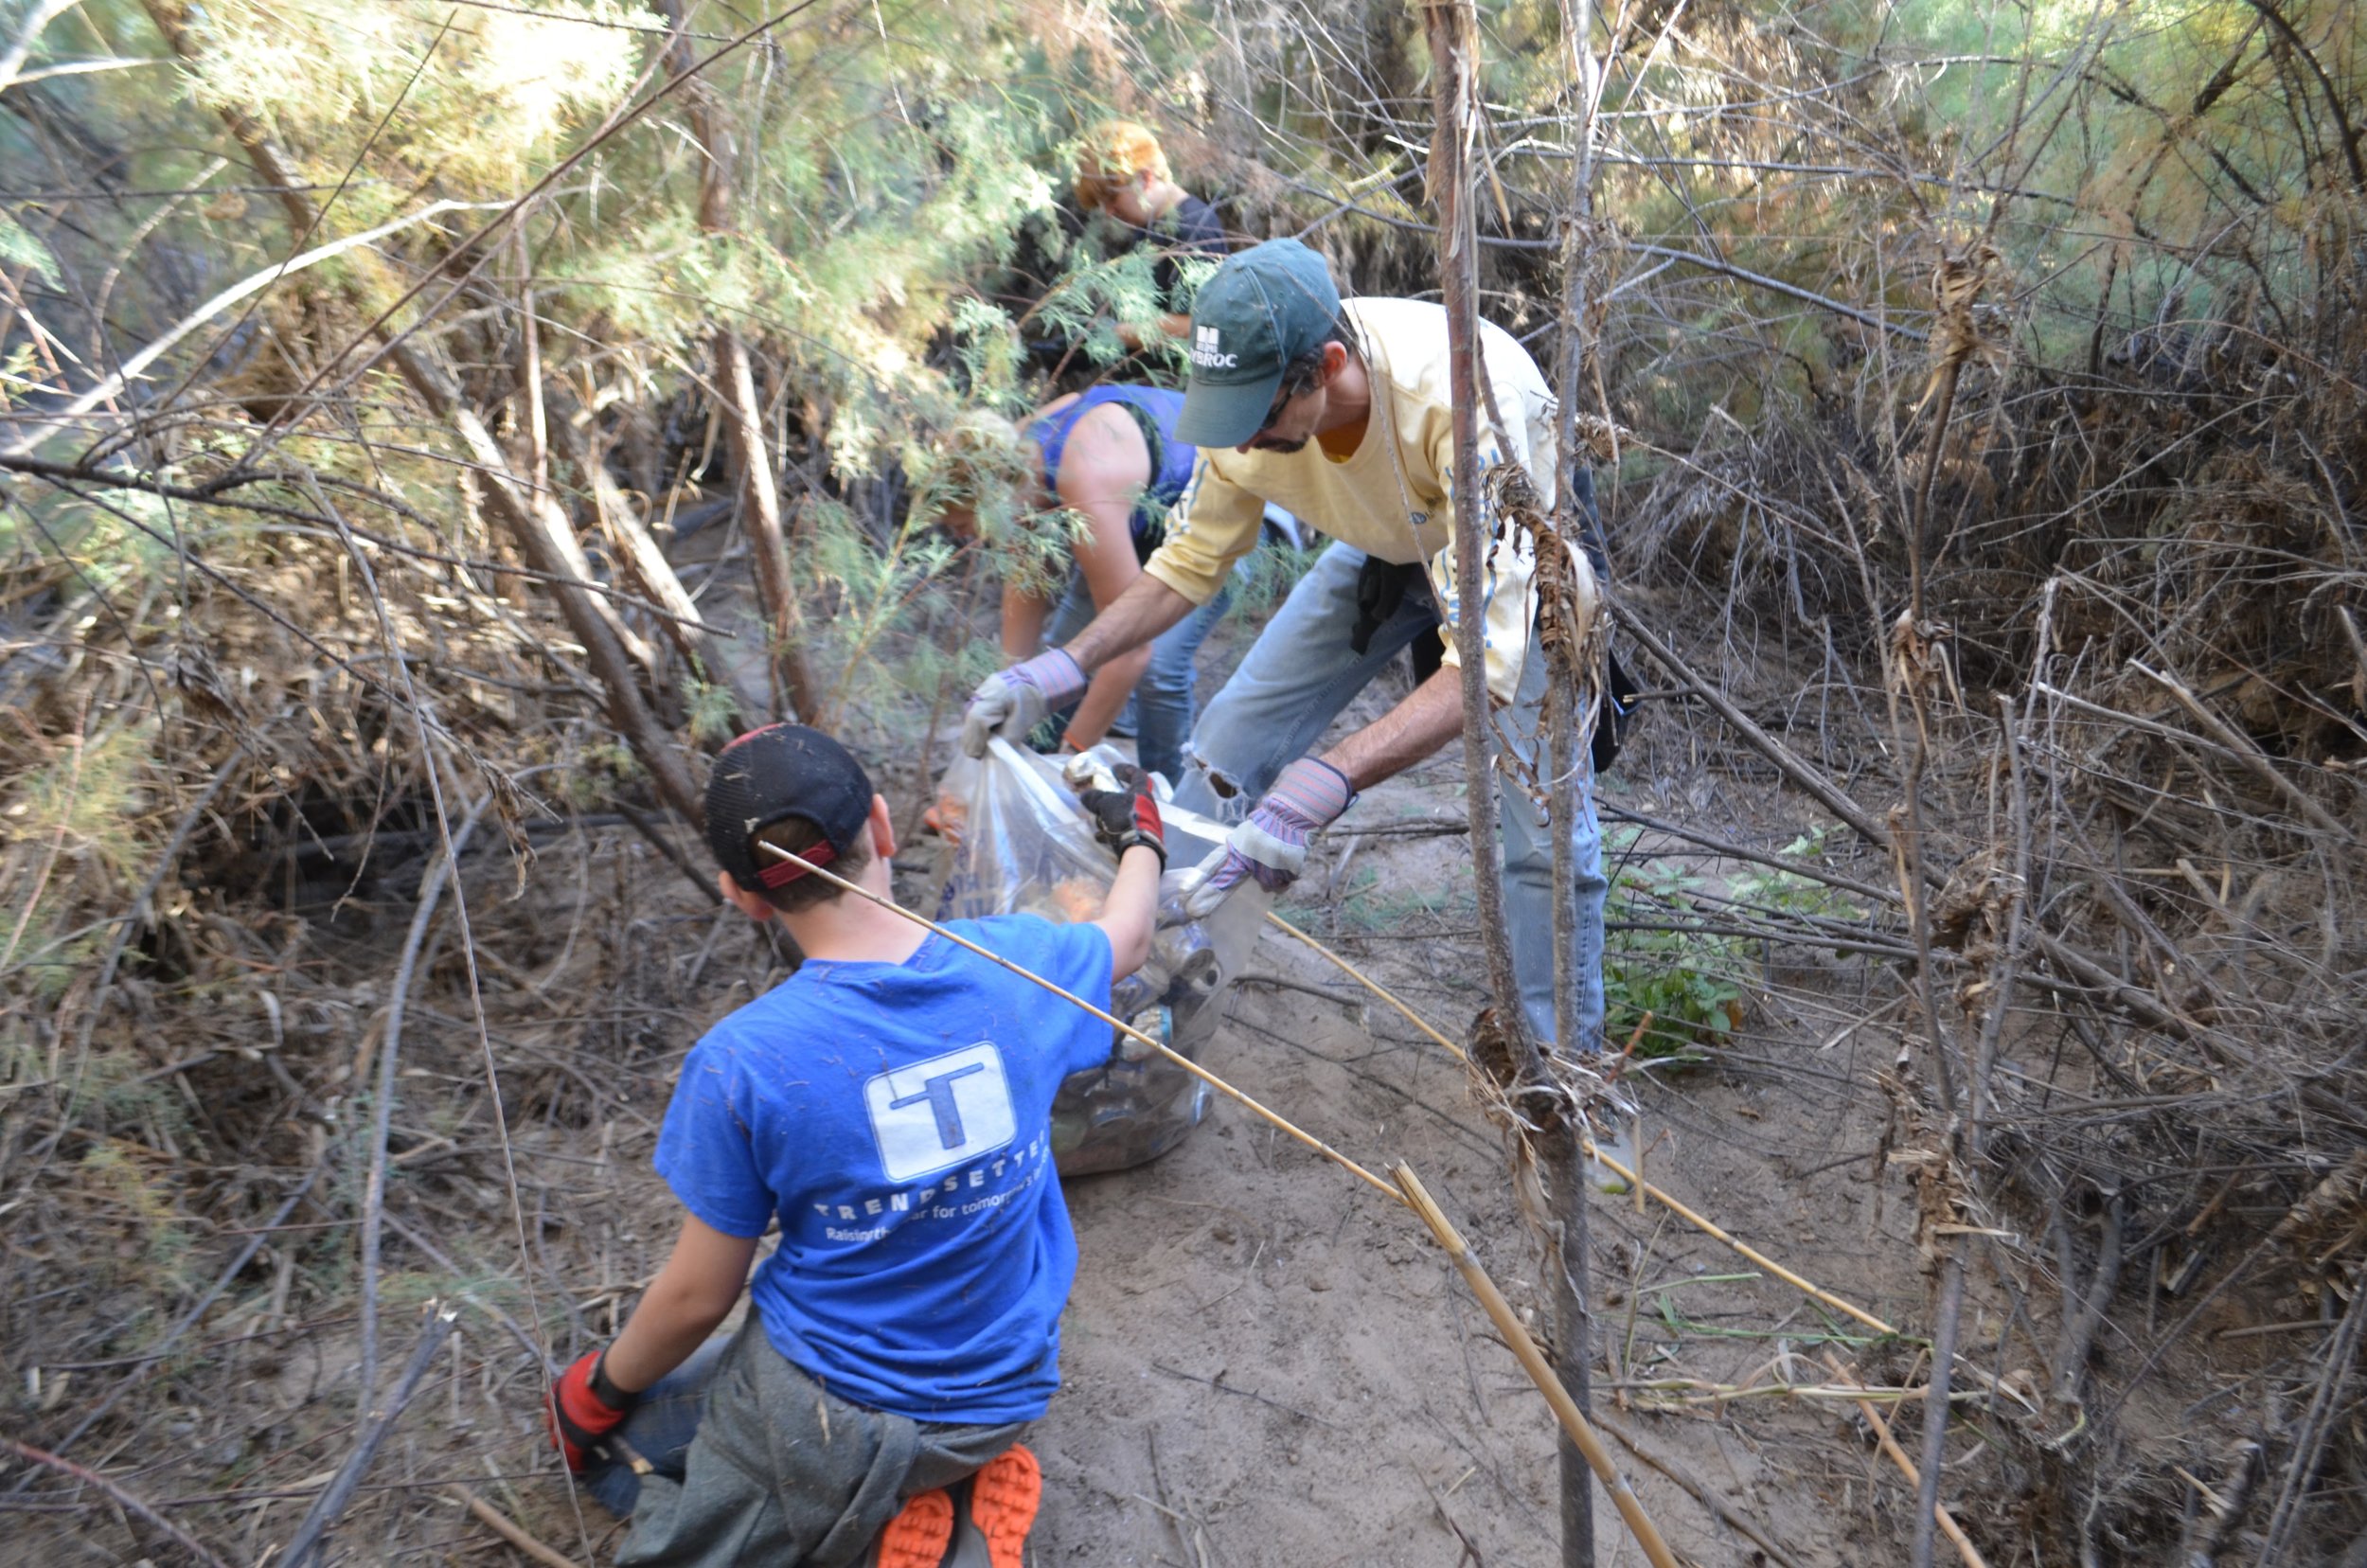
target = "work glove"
x: 585, y: 1407
x: 1012, y: 702
x: 1127, y: 815
x: 1270, y: 847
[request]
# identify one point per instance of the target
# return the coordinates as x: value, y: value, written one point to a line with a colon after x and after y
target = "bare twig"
x: 122, y: 1499
x: 332, y: 1501
x: 494, y: 1520
x: 2246, y: 752
x: 2309, y: 1439
x: 381, y: 1119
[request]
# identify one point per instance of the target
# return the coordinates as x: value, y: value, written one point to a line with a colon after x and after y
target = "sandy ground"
x: 1266, y: 1363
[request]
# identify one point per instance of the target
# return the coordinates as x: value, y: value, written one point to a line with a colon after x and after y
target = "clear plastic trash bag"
x: 1015, y: 841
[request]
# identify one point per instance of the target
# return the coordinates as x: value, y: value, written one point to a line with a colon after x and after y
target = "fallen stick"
x: 499, y: 1523
x: 1723, y: 1511
x: 124, y: 1500
x: 1533, y: 1361
x: 339, y: 1491
x: 1940, y: 1515
x: 2246, y: 752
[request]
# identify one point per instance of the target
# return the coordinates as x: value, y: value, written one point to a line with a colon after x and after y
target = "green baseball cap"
x: 1263, y: 308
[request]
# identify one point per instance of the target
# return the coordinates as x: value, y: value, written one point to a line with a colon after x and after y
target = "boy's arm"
x: 689, y: 1299
x: 1127, y: 820
x: 1129, y: 910
x: 691, y: 1296
x: 1023, y: 615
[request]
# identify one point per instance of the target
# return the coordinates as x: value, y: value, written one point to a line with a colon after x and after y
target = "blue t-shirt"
x: 898, y: 1118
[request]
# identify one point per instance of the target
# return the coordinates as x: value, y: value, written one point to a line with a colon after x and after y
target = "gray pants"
x: 753, y: 1462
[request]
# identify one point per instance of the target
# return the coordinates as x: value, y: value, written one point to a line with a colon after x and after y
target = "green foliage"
x: 157, y: 1242
x: 1683, y: 978
x: 711, y: 706
x: 1365, y: 904
x: 20, y: 248
x: 1691, y: 979
x: 88, y: 799
x: 1789, y: 893
x: 1273, y: 571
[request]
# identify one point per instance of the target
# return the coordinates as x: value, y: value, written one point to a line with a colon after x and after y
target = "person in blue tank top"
x: 889, y: 1107
x: 1109, y: 454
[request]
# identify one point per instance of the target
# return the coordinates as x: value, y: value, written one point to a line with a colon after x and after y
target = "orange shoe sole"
x: 1004, y: 1498
x: 917, y: 1538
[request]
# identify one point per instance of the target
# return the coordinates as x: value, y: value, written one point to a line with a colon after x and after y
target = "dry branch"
x: 2244, y: 751
x: 494, y: 1520
x: 122, y: 1499
x: 341, y: 1488
x: 381, y: 1119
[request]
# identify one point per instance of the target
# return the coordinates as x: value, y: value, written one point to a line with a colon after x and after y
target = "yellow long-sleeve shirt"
x: 1393, y: 497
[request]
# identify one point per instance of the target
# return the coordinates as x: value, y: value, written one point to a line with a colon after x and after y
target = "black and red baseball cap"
x: 773, y: 773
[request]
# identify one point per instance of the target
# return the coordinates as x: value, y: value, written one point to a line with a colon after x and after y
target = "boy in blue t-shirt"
x: 889, y: 1104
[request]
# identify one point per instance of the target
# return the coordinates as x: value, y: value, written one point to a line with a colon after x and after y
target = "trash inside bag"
x: 1016, y: 842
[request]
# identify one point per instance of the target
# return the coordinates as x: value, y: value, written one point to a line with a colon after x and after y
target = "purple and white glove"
x: 1013, y: 701
x: 1270, y: 847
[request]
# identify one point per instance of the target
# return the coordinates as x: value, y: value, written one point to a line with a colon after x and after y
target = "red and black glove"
x: 585, y: 1407
x: 1127, y: 815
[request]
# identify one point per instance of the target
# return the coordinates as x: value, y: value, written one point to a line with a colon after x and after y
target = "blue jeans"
x: 1160, y: 711
x: 1297, y: 678
x: 660, y: 1429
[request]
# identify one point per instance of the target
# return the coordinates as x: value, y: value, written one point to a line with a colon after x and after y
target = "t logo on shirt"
x: 941, y: 1112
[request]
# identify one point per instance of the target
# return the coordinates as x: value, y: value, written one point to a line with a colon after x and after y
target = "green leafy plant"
x: 1789, y: 893
x: 1654, y: 964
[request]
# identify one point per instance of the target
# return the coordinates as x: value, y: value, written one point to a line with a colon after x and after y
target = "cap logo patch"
x: 1208, y: 355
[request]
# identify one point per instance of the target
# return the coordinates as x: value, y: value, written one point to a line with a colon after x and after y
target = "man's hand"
x: 1270, y: 847
x: 585, y: 1407
x: 1127, y: 815
x: 1012, y: 702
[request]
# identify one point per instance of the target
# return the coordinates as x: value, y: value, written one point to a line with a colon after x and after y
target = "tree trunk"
x: 1453, y: 42
x: 539, y: 529
x: 743, y: 414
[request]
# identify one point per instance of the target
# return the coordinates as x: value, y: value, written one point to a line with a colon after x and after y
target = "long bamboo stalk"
x: 1947, y: 1521
x: 1369, y: 984
x: 1574, y: 1424
x: 1675, y: 1205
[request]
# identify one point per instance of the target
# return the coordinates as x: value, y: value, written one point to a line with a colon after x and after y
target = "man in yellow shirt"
x: 1341, y: 414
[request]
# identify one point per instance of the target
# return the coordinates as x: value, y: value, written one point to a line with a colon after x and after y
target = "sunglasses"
x: 1282, y: 401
